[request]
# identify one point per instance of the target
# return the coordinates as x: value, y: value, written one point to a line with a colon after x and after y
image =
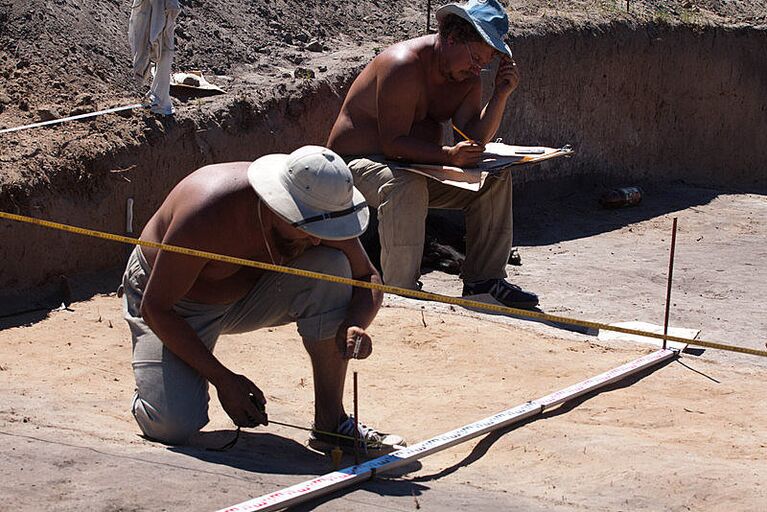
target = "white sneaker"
x: 372, y: 442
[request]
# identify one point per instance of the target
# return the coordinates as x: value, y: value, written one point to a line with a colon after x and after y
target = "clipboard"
x: 497, y: 157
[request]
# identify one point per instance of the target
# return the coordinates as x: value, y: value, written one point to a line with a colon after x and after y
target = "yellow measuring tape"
x: 445, y: 299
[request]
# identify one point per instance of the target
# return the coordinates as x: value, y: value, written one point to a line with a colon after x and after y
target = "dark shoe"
x: 508, y: 294
x: 372, y: 442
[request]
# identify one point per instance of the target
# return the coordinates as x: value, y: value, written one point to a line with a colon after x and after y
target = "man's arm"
x: 399, y: 86
x: 483, y: 124
x: 172, y: 276
x: 365, y: 302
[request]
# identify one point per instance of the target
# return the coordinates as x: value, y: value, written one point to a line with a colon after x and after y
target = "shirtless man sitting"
x: 393, y: 113
x: 299, y: 210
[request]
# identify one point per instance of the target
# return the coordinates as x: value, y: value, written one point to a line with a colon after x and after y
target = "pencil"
x: 463, y: 134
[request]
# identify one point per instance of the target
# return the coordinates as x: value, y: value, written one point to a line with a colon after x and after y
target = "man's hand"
x: 466, y: 154
x: 507, y: 77
x: 354, y: 342
x: 242, y: 401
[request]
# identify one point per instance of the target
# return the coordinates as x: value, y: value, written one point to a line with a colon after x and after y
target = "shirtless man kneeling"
x: 299, y: 210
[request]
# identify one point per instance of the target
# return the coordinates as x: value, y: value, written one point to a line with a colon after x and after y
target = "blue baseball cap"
x: 487, y: 16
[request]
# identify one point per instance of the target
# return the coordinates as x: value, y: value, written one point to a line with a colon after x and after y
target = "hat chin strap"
x: 329, y: 215
x: 263, y: 233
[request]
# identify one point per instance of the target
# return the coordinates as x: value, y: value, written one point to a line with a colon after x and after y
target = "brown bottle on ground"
x: 620, y: 197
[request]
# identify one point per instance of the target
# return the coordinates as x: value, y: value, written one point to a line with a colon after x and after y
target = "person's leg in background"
x: 489, y: 222
x: 402, y: 199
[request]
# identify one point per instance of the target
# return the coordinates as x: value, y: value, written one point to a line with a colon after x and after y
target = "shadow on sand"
x: 545, y: 219
x: 264, y: 453
x: 545, y: 215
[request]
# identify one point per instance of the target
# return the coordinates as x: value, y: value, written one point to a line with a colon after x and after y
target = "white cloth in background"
x: 150, y: 35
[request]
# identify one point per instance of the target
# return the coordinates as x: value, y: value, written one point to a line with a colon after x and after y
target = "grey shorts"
x: 171, y: 400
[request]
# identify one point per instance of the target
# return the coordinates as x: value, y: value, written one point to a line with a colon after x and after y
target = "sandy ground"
x: 678, y: 438
x: 686, y: 436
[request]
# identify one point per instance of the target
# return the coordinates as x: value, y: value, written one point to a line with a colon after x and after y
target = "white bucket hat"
x: 312, y: 189
x: 488, y: 17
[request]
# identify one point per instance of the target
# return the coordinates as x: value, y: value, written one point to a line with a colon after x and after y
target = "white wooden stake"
x: 129, y: 215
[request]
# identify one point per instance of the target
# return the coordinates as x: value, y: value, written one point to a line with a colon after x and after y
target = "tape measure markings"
x: 458, y: 301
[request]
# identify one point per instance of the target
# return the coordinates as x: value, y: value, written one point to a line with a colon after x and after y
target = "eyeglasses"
x: 475, y: 64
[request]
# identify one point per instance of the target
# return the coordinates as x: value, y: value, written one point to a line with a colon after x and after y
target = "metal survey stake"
x: 668, y: 285
x: 356, y: 423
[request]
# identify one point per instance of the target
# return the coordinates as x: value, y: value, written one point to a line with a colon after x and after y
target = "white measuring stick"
x: 354, y: 474
x: 72, y: 118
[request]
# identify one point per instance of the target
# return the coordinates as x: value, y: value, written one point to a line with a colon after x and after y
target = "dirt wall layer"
x: 247, y: 128
x: 646, y: 103
x: 649, y: 102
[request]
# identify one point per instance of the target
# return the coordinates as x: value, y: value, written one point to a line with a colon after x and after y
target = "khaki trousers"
x: 171, y: 400
x: 403, y: 199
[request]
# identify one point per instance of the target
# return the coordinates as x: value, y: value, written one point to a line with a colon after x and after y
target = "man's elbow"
x: 391, y: 149
x: 377, y: 300
x: 378, y: 295
x: 150, y: 311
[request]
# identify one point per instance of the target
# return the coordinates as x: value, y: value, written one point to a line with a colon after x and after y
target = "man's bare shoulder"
x: 200, y: 200
x: 215, y: 172
x: 408, y: 57
x: 212, y: 180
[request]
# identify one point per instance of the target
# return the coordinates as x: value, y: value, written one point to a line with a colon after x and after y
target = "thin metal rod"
x: 668, y: 284
x: 356, y: 424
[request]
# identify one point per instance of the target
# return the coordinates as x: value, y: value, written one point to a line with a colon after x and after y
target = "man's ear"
x: 450, y: 40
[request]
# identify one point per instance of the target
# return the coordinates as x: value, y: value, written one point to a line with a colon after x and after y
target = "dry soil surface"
x: 686, y: 436
x: 678, y: 438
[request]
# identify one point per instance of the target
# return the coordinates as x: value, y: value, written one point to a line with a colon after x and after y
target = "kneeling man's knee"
x: 327, y: 261
x: 321, y: 306
x: 169, y: 427
x: 333, y: 262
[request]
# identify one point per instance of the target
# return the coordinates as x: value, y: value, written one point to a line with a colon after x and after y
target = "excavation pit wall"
x: 639, y: 104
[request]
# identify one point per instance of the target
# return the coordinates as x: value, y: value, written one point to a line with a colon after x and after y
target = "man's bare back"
x: 213, y: 209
